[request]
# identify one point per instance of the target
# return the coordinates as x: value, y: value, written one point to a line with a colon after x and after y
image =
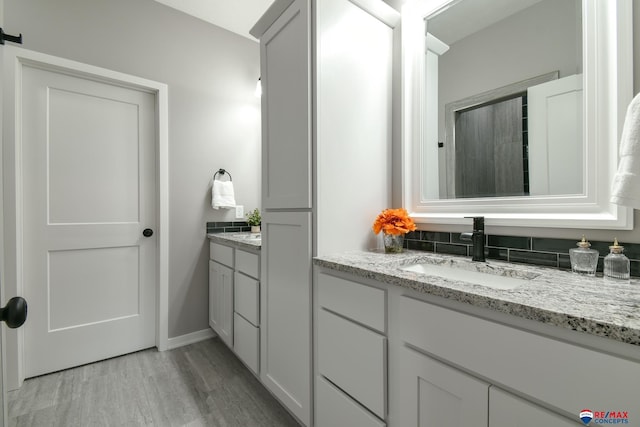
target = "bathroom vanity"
x: 401, y: 347
x: 365, y: 343
x: 234, y: 293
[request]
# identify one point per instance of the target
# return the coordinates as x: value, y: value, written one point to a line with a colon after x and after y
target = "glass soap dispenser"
x: 616, y: 264
x: 584, y: 260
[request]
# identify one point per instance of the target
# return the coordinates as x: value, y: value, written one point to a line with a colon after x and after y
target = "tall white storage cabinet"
x: 327, y: 79
x: 285, y: 55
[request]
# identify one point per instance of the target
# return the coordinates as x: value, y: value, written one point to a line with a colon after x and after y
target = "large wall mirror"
x: 513, y: 110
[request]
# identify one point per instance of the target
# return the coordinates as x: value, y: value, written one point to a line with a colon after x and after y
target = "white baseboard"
x: 191, y: 338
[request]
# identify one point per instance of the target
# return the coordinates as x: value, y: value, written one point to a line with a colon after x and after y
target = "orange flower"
x: 394, y: 221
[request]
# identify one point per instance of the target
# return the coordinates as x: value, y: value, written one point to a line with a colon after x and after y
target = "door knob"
x: 14, y: 313
x: 147, y: 232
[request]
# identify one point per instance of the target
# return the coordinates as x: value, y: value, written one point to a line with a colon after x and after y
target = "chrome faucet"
x: 476, y: 237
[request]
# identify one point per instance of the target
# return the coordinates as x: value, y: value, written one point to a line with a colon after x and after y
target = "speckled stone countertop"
x: 561, y: 298
x: 243, y: 240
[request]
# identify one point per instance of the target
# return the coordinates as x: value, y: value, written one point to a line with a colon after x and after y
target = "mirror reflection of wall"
x: 474, y: 47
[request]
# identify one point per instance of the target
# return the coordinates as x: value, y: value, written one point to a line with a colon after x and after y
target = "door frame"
x: 15, y: 59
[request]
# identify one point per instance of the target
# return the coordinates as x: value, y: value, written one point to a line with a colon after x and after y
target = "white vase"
x: 255, y: 228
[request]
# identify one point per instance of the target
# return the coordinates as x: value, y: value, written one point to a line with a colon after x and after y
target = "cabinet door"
x: 286, y: 113
x: 434, y: 394
x: 285, y: 307
x: 221, y: 301
x: 507, y: 410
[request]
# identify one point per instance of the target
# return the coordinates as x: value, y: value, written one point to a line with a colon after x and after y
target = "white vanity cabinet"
x: 388, y: 355
x: 234, y: 301
x: 221, y: 291
x: 351, y: 368
x: 446, y: 396
x: 549, y: 381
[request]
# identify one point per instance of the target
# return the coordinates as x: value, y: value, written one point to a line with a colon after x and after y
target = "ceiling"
x: 237, y: 16
x: 463, y: 18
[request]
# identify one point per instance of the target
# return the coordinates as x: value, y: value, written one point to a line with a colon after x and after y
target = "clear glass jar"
x: 616, y: 264
x: 584, y: 260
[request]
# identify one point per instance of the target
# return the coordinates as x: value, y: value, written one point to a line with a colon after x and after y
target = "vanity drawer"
x: 247, y: 298
x: 334, y: 408
x: 221, y: 253
x: 246, y: 342
x: 248, y: 263
x: 362, y: 303
x: 354, y: 359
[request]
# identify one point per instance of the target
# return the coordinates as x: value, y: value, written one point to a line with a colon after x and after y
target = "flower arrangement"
x: 394, y: 221
x: 254, y: 218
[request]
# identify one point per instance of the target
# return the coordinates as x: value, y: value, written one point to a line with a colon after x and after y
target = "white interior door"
x: 89, y: 191
x: 556, y: 146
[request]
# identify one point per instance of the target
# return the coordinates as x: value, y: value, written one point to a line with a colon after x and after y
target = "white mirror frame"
x: 608, y: 83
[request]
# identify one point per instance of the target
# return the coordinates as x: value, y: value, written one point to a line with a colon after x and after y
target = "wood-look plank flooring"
x: 202, y: 384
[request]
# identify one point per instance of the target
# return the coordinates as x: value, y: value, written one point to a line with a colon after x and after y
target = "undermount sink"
x: 496, y: 278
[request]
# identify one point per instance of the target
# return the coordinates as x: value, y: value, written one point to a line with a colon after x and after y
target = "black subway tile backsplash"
x: 436, y: 236
x: 564, y: 262
x: 451, y: 249
x: 455, y: 238
x: 552, y: 245
x: 631, y: 250
x: 635, y: 268
x: 413, y: 235
x: 227, y: 227
x: 420, y: 245
x: 513, y: 242
x: 522, y: 249
x: 529, y: 250
x: 531, y: 257
x: 501, y: 254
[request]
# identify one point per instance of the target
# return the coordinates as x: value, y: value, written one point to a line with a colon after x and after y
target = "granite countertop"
x: 561, y: 298
x: 243, y: 240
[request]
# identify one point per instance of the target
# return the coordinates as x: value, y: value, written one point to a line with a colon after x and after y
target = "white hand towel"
x: 222, y: 195
x: 626, y: 182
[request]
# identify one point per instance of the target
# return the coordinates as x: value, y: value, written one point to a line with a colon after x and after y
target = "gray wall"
x: 214, y: 117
